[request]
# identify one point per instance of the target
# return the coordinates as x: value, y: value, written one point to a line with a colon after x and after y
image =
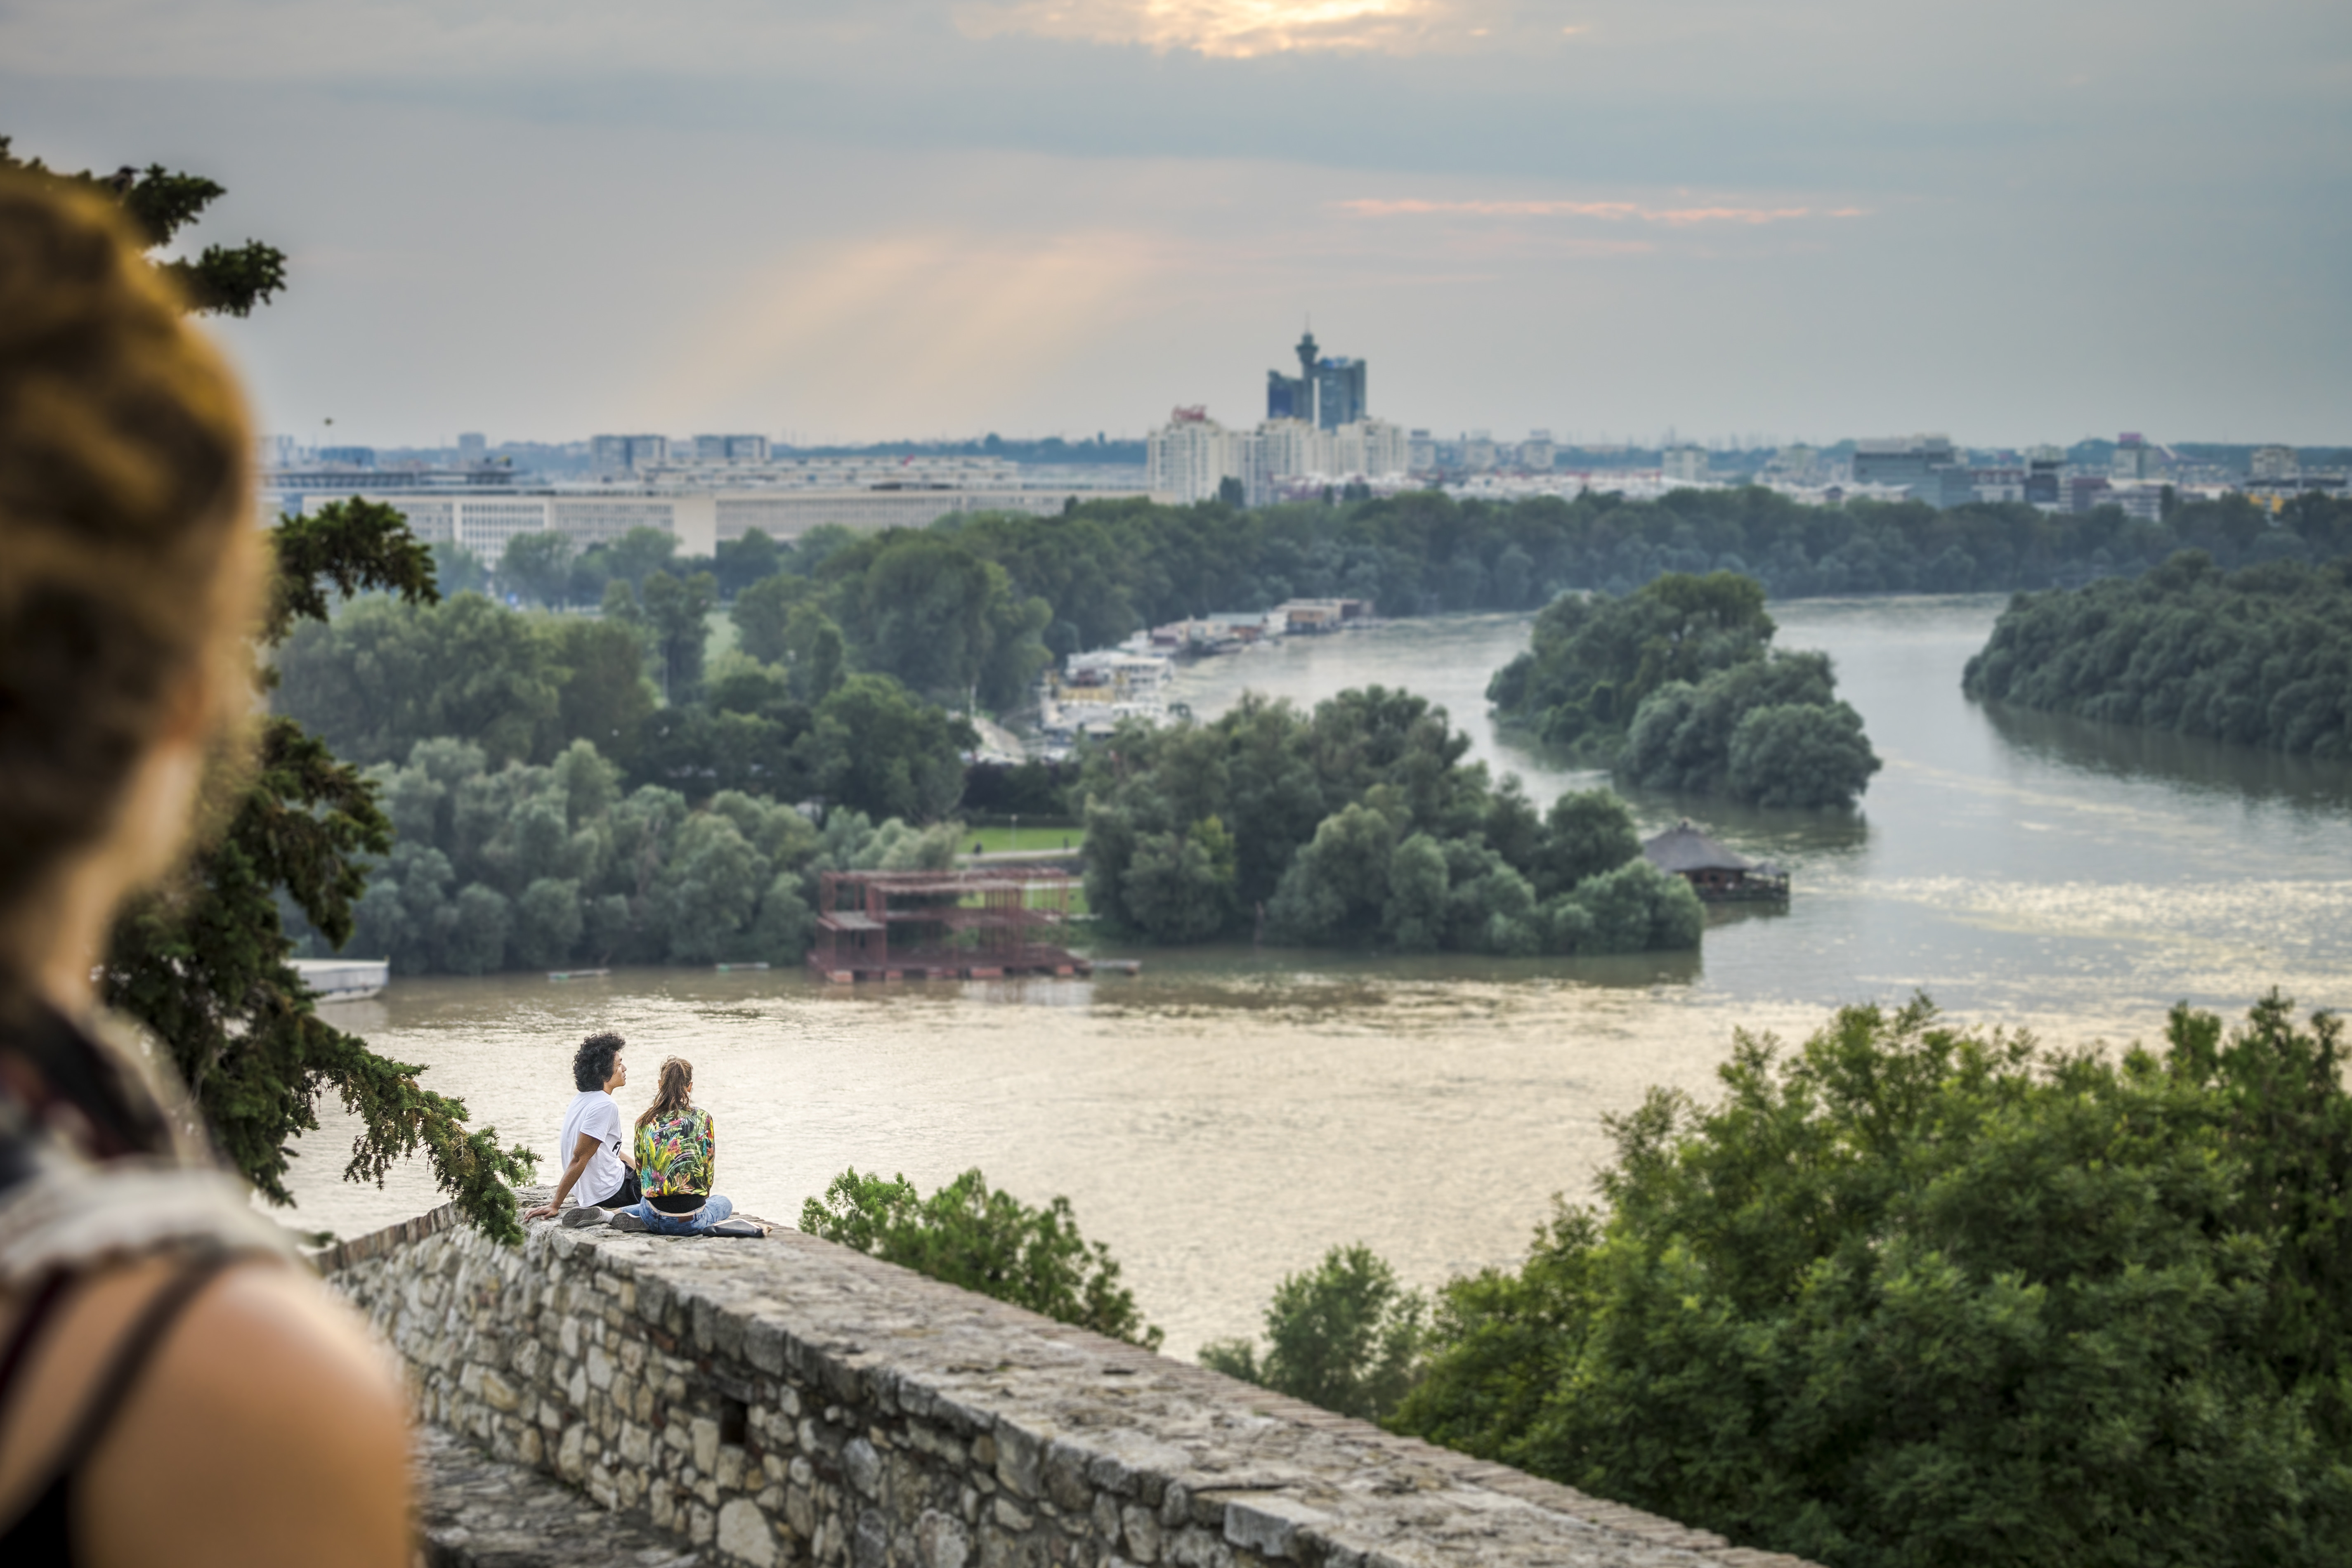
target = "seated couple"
x: 663, y: 1185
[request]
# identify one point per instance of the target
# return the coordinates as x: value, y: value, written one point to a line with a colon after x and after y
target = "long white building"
x: 484, y: 520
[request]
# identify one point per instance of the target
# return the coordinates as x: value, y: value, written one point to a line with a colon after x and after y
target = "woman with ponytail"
x: 678, y: 1152
x: 175, y: 1385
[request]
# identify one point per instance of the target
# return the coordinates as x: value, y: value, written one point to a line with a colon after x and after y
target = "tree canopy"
x: 1358, y: 823
x: 1677, y: 685
x: 1913, y: 1294
x: 986, y: 1240
x: 2261, y: 657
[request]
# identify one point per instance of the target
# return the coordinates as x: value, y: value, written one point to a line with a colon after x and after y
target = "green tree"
x: 760, y: 614
x: 538, y: 567
x: 1345, y: 1336
x: 678, y: 612
x: 602, y: 692
x: 984, y: 1240
x: 204, y: 964
x: 1916, y: 1294
x: 887, y: 755
x: 228, y: 280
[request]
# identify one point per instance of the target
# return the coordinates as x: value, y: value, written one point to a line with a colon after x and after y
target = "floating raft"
x: 942, y: 925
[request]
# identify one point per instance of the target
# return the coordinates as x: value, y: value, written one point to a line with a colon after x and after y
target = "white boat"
x: 344, y: 979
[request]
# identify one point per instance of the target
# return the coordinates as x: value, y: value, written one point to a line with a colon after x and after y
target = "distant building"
x: 1293, y: 396
x: 2045, y: 478
x: 2134, y: 458
x: 1683, y: 465
x: 1478, y: 453
x: 1536, y: 452
x: 1928, y: 467
x: 1339, y: 393
x: 1421, y: 452
x: 628, y: 454
x: 731, y: 449
x: 2087, y: 491
x: 473, y: 448
x: 347, y: 456
x: 1996, y: 484
x: 1191, y: 456
x: 2273, y: 464
x: 1325, y: 393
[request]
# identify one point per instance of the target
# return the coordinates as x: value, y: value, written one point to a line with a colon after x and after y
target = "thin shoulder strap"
x: 132, y: 1354
x: 28, y: 1328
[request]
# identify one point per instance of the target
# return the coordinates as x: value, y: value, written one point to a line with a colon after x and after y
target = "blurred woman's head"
x: 673, y: 1093
x: 131, y: 566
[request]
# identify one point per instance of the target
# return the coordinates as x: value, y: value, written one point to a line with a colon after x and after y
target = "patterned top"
x: 676, y: 1153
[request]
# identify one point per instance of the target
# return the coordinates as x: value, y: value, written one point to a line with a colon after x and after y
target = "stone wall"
x: 790, y: 1401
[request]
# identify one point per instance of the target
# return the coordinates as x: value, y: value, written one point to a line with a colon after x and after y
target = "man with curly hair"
x: 599, y: 1171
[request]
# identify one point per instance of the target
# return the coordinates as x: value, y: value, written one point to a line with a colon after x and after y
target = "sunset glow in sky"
x: 539, y: 218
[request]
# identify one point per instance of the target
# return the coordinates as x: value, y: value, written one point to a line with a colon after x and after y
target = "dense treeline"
x: 556, y: 865
x: 1912, y: 1294
x: 1677, y: 685
x: 1358, y: 824
x: 2261, y: 657
x: 385, y: 676
x: 924, y: 604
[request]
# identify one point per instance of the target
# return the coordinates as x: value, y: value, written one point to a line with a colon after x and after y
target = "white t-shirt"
x: 593, y: 1114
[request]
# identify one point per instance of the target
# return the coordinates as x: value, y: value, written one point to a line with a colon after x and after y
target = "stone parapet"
x: 787, y: 1400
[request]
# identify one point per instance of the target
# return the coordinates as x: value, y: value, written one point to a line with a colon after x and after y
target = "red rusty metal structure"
x: 912, y: 925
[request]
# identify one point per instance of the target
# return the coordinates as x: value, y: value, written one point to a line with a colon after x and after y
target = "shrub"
x: 983, y: 1240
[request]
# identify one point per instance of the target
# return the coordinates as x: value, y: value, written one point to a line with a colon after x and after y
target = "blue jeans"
x: 714, y: 1208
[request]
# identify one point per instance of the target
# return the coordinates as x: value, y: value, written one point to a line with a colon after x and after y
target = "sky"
x: 2011, y: 221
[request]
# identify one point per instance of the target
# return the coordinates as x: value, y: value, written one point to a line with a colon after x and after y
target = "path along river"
x: 1224, y: 1117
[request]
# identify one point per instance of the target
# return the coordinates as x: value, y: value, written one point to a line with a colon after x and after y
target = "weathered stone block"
x: 743, y: 1532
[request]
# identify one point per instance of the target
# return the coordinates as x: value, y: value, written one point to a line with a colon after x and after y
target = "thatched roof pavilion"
x: 1716, y: 873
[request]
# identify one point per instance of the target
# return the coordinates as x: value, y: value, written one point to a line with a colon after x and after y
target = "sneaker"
x: 624, y: 1220
x: 583, y: 1213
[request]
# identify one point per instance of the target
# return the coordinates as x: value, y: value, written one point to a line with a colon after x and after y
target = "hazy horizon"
x: 2012, y: 224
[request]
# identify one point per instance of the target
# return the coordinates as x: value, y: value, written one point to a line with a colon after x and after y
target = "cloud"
x: 1607, y: 212
x: 1243, y: 29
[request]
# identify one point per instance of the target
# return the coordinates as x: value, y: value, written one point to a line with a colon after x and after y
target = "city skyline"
x: 866, y: 223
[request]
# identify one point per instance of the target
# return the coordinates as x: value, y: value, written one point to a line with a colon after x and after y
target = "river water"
x: 1224, y: 1117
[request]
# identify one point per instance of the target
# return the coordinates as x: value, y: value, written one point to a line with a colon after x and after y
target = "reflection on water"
x: 1227, y: 1114
x: 2182, y: 761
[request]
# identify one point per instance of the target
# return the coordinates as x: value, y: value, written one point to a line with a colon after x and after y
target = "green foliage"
x: 204, y: 967
x: 2261, y: 657
x: 1768, y: 731
x: 203, y: 963
x: 224, y: 280
x: 558, y: 865
x: 1345, y: 1336
x: 538, y: 567
x: 1918, y: 1295
x: 1677, y: 685
x: 984, y: 1240
x: 1593, y: 662
x: 889, y: 753
x: 926, y: 608
x: 1359, y: 825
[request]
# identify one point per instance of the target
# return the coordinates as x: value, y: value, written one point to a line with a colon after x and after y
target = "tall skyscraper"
x: 1325, y: 393
x: 1339, y: 393
x: 473, y: 448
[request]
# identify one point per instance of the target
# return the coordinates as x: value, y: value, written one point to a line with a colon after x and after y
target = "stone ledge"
x: 475, y: 1512
x: 787, y: 1400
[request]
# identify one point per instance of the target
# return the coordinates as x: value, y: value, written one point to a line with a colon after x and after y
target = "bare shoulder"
x: 270, y: 1430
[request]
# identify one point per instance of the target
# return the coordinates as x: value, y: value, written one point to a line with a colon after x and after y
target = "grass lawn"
x: 997, y: 840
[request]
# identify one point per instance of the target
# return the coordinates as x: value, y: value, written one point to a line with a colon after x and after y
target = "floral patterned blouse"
x: 676, y: 1154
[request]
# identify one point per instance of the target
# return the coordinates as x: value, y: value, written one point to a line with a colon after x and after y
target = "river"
x: 1224, y: 1117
